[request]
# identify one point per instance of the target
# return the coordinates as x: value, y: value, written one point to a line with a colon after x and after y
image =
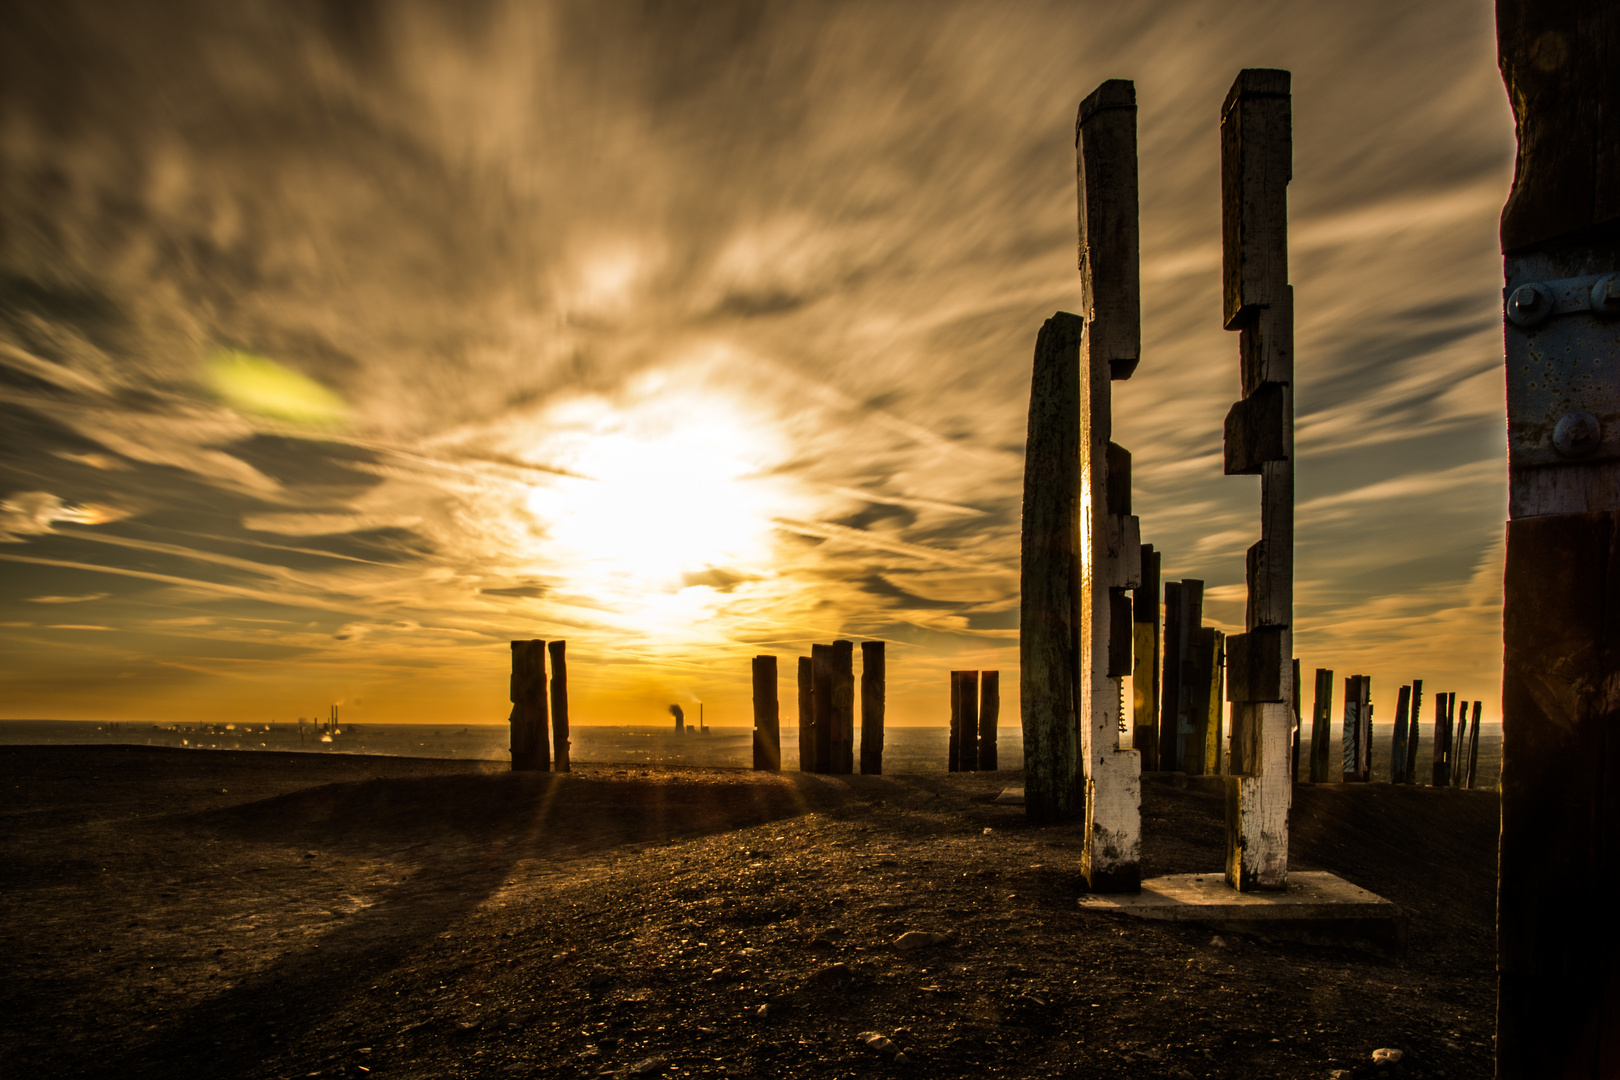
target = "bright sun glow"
x: 666, y: 486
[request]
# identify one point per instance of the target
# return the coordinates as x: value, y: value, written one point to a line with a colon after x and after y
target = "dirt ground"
x: 174, y: 913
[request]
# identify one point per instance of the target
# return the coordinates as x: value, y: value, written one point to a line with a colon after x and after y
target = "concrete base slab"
x: 1318, y: 908
x: 1013, y: 796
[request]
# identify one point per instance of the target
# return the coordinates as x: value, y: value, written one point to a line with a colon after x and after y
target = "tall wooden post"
x: 1048, y: 572
x: 822, y: 678
x: 1473, y: 746
x: 1414, y: 730
x: 1459, y: 748
x: 1183, y: 619
x: 967, y: 718
x: 1256, y: 165
x: 559, y: 705
x: 1145, y: 672
x: 767, y: 716
x: 807, y: 716
x: 1397, y: 745
x: 874, y: 700
x: 989, y: 717
x: 1322, y: 727
x: 530, y: 752
x: 1299, y: 724
x: 1442, y: 735
x: 1110, y: 537
x: 953, y: 761
x: 1351, y: 731
x: 843, y: 661
x: 1202, y: 747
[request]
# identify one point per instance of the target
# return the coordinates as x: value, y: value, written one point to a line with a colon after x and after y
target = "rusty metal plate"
x: 1563, y: 366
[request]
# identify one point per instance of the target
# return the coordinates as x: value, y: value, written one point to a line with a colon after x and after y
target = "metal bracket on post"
x: 1562, y: 337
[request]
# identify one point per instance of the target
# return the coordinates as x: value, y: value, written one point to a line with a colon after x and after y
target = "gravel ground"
x: 224, y: 914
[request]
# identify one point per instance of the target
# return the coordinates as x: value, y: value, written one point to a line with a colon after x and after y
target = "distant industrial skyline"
x: 342, y: 345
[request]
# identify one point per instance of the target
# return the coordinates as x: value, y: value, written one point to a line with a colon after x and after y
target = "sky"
x: 342, y: 343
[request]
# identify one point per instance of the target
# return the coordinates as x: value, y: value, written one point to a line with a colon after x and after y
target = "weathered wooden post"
x: 1397, y: 745
x: 989, y: 717
x: 1442, y: 735
x: 1459, y: 752
x: 1413, y: 732
x: 1352, y: 731
x: 1202, y: 747
x: 843, y: 661
x: 767, y: 716
x: 559, y: 705
x: 1048, y: 585
x: 1183, y: 618
x: 1473, y: 746
x: 953, y: 762
x: 1299, y: 724
x: 530, y: 752
x: 807, y: 716
x: 1256, y: 166
x: 821, y: 697
x: 874, y: 700
x: 1145, y: 672
x: 1558, y: 949
x: 967, y: 739
x: 1322, y: 726
x: 1110, y: 537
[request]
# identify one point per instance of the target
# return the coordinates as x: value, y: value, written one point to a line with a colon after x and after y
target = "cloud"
x: 66, y: 599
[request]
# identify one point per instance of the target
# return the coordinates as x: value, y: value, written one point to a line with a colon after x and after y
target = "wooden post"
x: 1365, y: 715
x: 1145, y: 673
x: 1299, y: 723
x: 843, y: 660
x: 953, y: 761
x: 559, y: 705
x: 822, y: 678
x: 767, y: 716
x: 1473, y: 746
x: 1048, y: 569
x: 1322, y: 726
x: 1397, y: 745
x: 1442, y: 735
x: 1110, y: 540
x: 1413, y: 732
x: 989, y: 717
x: 967, y: 736
x: 807, y: 716
x: 1256, y: 165
x: 1183, y: 619
x: 1351, y: 733
x: 529, y: 750
x: 1202, y: 743
x: 874, y: 700
x: 1215, y: 707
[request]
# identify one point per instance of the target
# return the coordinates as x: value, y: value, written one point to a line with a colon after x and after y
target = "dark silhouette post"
x: 767, y: 716
x: 953, y: 759
x: 989, y: 716
x: 874, y: 700
x: 1145, y: 673
x: 1256, y: 165
x: 843, y: 653
x: 1322, y: 727
x: 1473, y: 746
x: 530, y: 752
x: 967, y: 719
x: 1397, y: 746
x: 1299, y: 723
x: 822, y: 679
x: 1442, y: 736
x: 807, y: 716
x: 1048, y: 571
x: 559, y: 705
x: 1183, y: 620
x: 1414, y: 731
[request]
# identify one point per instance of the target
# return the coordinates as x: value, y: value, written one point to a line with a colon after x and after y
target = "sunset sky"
x: 342, y: 343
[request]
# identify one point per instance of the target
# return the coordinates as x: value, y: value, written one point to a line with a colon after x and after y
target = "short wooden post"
x: 1322, y: 727
x: 1256, y: 165
x: 1351, y: 732
x: 989, y: 716
x: 1145, y: 651
x: 953, y: 761
x: 1442, y: 735
x: 822, y: 675
x: 530, y: 752
x: 1473, y: 746
x: 874, y: 700
x: 1203, y: 743
x: 767, y: 716
x: 1365, y: 714
x: 559, y: 705
x: 967, y: 736
x: 807, y: 716
x: 1049, y: 564
x: 1397, y: 744
x: 843, y: 660
x: 1413, y: 732
x: 1183, y: 619
x: 1459, y: 753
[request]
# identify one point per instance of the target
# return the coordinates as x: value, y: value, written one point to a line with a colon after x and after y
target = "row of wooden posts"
x: 1455, y: 747
x: 826, y: 710
x: 532, y: 750
x: 975, y: 712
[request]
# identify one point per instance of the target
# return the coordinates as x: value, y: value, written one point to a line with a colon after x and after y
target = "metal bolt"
x: 1529, y: 304
x: 1606, y: 294
x: 1577, y: 434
